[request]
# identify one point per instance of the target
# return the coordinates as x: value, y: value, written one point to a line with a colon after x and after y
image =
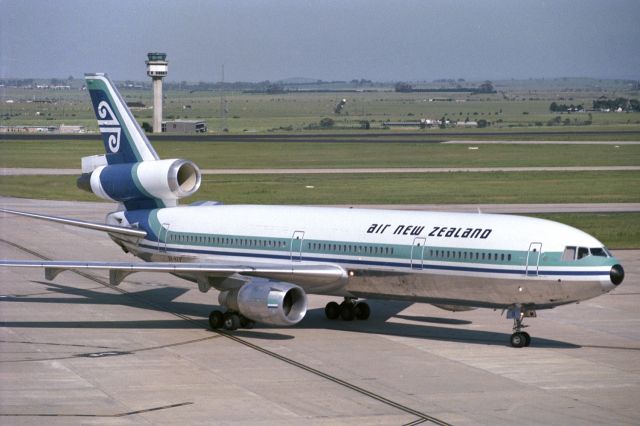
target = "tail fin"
x: 124, y: 140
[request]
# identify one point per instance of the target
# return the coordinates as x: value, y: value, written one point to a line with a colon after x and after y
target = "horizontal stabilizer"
x: 113, y: 229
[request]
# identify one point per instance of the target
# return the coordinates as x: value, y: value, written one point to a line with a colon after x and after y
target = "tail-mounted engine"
x: 269, y: 302
x: 160, y: 179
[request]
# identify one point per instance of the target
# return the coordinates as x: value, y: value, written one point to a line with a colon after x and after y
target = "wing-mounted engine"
x: 269, y: 302
x: 167, y: 180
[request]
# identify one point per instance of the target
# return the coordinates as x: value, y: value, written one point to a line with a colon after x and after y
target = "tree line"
x: 622, y: 104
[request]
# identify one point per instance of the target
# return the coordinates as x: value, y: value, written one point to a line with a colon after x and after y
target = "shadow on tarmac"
x: 163, y: 300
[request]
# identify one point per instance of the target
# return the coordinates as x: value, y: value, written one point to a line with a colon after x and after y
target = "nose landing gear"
x: 520, y: 338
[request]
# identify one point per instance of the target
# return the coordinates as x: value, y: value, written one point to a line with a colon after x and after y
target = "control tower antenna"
x: 157, y: 67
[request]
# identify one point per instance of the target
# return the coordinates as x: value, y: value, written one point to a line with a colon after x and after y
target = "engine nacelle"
x: 161, y: 179
x: 454, y: 308
x: 273, y: 303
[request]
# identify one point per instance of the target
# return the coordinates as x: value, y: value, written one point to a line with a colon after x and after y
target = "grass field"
x: 216, y: 155
x: 402, y: 188
x: 616, y: 230
x: 517, y: 104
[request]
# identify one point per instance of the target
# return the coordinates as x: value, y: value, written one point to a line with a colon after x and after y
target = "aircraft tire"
x: 332, y: 310
x: 231, y: 321
x: 518, y: 340
x: 362, y: 311
x: 347, y: 311
x: 216, y: 320
x: 527, y: 338
x: 246, y: 322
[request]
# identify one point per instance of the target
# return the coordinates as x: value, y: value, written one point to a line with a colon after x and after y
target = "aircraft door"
x: 163, y: 237
x: 533, y: 259
x: 296, y: 246
x: 417, y: 253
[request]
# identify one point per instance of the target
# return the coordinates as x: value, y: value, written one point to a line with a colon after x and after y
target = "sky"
x: 380, y: 40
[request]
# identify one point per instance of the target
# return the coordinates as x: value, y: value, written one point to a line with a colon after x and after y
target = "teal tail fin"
x: 124, y: 140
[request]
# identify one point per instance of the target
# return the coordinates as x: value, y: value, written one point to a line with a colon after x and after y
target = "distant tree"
x: 403, y: 87
x: 486, y: 87
x: 275, y: 88
x: 553, y: 107
x: 147, y: 127
x: 483, y: 123
x: 554, y: 121
x: 327, y: 123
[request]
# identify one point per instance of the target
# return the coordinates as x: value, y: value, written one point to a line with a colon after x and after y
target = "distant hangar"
x: 184, y: 126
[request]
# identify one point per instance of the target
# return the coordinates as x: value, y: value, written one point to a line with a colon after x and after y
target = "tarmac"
x: 76, y: 350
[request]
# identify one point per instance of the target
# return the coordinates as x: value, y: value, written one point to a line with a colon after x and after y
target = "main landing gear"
x: 348, y: 310
x: 520, y: 338
x: 229, y: 320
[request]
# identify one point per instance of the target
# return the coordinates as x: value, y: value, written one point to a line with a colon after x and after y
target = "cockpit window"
x: 582, y: 252
x: 575, y: 253
x: 599, y: 251
x: 569, y: 253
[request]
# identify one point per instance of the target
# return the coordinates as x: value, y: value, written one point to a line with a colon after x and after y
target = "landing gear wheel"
x: 347, y: 311
x: 246, y: 322
x: 332, y: 310
x: 216, y: 320
x: 362, y: 311
x: 527, y: 338
x: 231, y: 321
x: 518, y: 339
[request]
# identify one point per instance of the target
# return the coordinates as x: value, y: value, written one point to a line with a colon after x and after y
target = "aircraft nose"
x: 616, y: 274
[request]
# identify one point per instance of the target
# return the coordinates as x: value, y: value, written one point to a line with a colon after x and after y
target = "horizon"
x: 310, y: 81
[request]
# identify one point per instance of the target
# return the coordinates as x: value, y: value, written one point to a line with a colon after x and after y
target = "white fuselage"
x: 480, y: 260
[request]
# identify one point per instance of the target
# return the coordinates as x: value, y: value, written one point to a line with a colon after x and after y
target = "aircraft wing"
x: 113, y: 229
x: 311, y: 277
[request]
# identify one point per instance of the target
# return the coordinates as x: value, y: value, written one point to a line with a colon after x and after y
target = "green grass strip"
x: 216, y: 155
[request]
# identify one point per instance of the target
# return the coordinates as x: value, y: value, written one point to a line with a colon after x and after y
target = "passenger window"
x: 582, y: 252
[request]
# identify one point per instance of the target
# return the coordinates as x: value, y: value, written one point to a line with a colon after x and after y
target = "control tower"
x: 157, y: 67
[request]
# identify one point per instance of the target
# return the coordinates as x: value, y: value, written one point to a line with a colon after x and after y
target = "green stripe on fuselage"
x: 368, y: 250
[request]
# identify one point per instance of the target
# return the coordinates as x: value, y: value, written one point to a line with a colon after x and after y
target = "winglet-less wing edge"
x: 308, y: 276
x: 113, y: 229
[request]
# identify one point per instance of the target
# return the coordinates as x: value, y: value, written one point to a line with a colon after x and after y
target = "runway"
x: 76, y: 350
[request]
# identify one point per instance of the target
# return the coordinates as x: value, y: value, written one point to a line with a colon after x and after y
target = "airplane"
x: 265, y: 260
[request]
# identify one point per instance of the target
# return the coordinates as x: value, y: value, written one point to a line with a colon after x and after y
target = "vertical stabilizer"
x: 124, y: 140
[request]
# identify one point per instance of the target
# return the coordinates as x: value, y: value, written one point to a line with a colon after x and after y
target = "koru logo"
x: 109, y: 124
